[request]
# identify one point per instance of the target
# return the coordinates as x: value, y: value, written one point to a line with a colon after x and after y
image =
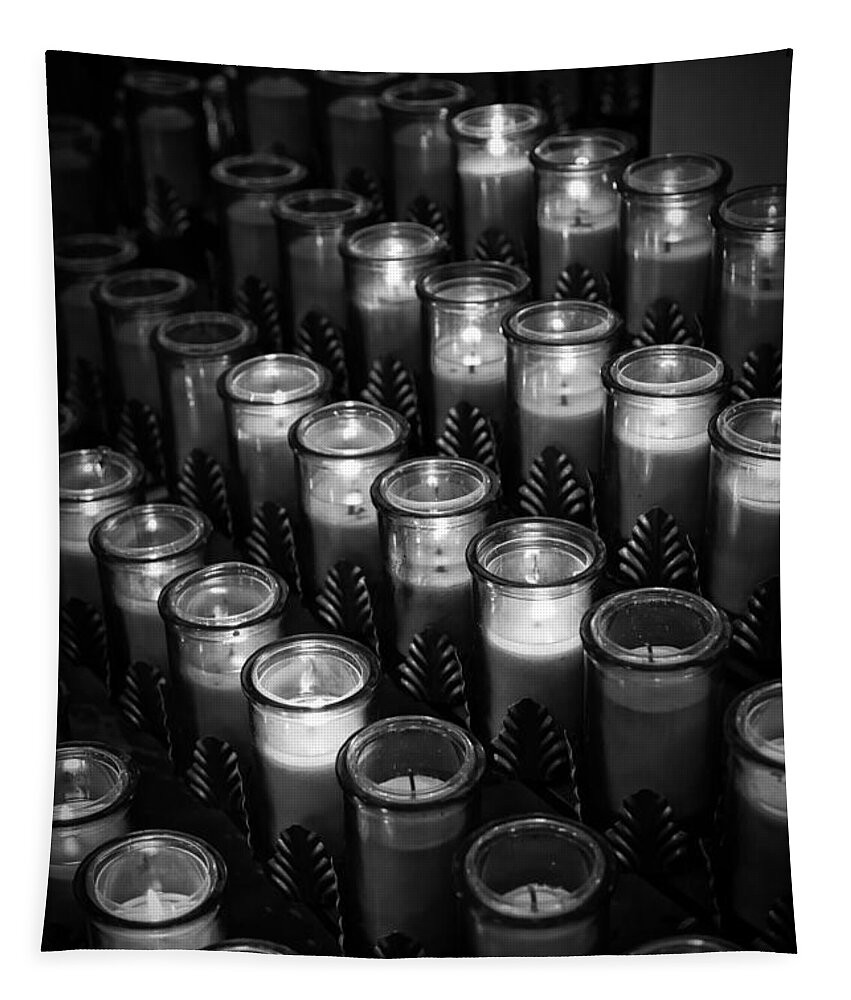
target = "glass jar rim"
x: 484, y: 492
x: 120, y: 766
x: 321, y: 207
x: 727, y: 216
x: 467, y: 776
x: 507, y: 281
x: 72, y: 129
x: 593, y: 630
x: 394, y: 422
x: 178, y: 593
x: 614, y: 147
x: 634, y: 181
x: 244, y: 333
x: 740, y: 725
x: 93, y: 253
x: 129, y: 474
x: 724, y: 434
x: 175, y: 287
x: 515, y: 324
x: 714, y: 379
x: 198, y: 529
x: 396, y: 97
x: 258, y: 172
x: 353, y: 78
x: 317, y: 383
x: 682, y: 944
x: 257, y: 945
x: 369, y: 243
x: 500, y: 120
x: 161, y: 83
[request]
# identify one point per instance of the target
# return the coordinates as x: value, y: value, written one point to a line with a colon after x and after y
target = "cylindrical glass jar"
x: 252, y: 944
x: 749, y: 259
x: 428, y: 510
x: 93, y: 483
x: 755, y: 820
x: 354, y: 129
x: 79, y: 264
x: 157, y: 889
x: 130, y: 304
x: 555, y: 393
x: 656, y: 440
x: 533, y: 580
x: 139, y: 550
x: 535, y: 886
x: 92, y: 795
x: 742, y: 544
x: 247, y: 187
x: 382, y: 264
x: 653, y: 671
x: 340, y: 449
x: 311, y: 226
x: 685, y: 944
x: 192, y: 351
x: 578, y: 204
x: 69, y: 427
x: 74, y: 176
x: 666, y: 233
x: 496, y: 177
x: 306, y: 694
x: 215, y: 618
x: 276, y: 108
x: 416, y: 117
x: 411, y: 790
x: 463, y: 305
x: 263, y: 398
x: 168, y: 131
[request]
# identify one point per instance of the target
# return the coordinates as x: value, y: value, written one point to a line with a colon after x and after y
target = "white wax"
x: 537, y: 898
x: 156, y: 906
x: 409, y: 784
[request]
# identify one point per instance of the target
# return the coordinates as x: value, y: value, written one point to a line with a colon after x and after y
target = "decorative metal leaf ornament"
x: 657, y: 554
x: 345, y: 604
x: 761, y: 376
x: 552, y: 490
x: 664, y: 323
x: 757, y: 633
x: 214, y: 778
x: 427, y: 213
x: 391, y: 385
x: 164, y: 215
x: 468, y: 433
x: 318, y: 338
x: 270, y: 542
x: 780, y: 933
x: 139, y: 435
x: 82, y: 640
x: 397, y: 945
x: 577, y: 282
x: 646, y: 837
x: 86, y: 394
x: 146, y: 704
x: 365, y: 183
x: 258, y: 303
x: 302, y: 868
x: 202, y: 485
x: 494, y: 244
x: 431, y: 672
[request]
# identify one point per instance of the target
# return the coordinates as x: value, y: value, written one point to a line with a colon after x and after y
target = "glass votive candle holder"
x: 495, y: 174
x: 756, y: 826
x: 74, y: 175
x: 92, y: 795
x: 167, y: 130
x: 247, y: 187
x: 428, y: 510
x: 416, y: 116
x: 157, y: 889
x: 311, y: 226
x: 93, y: 483
x: 215, y: 618
x: 251, y: 945
x: 555, y: 393
x: 306, y: 695
x: 192, y: 351
x: 578, y: 202
x: 79, y: 264
x: 742, y: 544
x: 749, y: 259
x: 382, y: 264
x: 263, y: 397
x: 129, y: 305
x: 276, y: 110
x: 666, y: 233
x: 685, y: 944
x: 656, y: 443
x: 533, y: 580
x: 139, y: 550
x: 535, y: 886
x: 411, y: 786
x: 463, y: 305
x: 340, y: 449
x: 654, y: 660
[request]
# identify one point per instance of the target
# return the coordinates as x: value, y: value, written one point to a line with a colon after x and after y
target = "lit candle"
x: 533, y: 579
x: 755, y: 820
x: 263, y: 398
x: 340, y: 449
x: 312, y: 225
x: 277, y: 113
x: 656, y: 452
x: 215, y: 618
x: 463, y: 306
x: 247, y: 187
x: 495, y: 174
x: 382, y: 264
x: 535, y: 886
x: 192, y: 351
x: 306, y: 695
x: 666, y: 232
x: 742, y: 544
x: 578, y: 203
x: 555, y: 393
x: 411, y: 788
x: 93, y: 483
x: 157, y: 889
x: 428, y: 510
x: 749, y: 256
x: 74, y: 175
x: 654, y: 660
x: 139, y: 550
x: 130, y: 304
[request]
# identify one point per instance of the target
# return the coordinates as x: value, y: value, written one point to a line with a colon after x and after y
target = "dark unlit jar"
x: 75, y: 145
x: 277, y: 111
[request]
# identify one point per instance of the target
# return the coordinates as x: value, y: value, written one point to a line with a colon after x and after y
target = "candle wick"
x: 413, y: 783
x: 580, y: 223
x: 564, y: 399
x: 650, y: 652
x: 533, y: 898
x: 667, y: 245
